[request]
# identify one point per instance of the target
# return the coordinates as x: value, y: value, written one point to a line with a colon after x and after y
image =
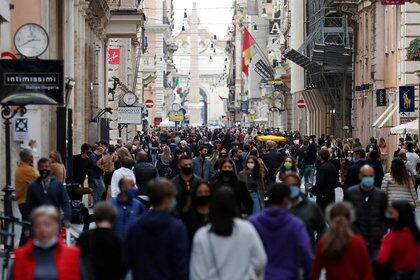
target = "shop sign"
x: 252, y: 117
x: 30, y: 81
x: 407, y: 101
x: 20, y: 131
x: 130, y: 115
x: 244, y: 106
x: 113, y: 56
x: 176, y: 116
x: 380, y: 97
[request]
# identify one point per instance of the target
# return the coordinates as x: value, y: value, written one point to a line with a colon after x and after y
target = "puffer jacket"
x: 370, y: 214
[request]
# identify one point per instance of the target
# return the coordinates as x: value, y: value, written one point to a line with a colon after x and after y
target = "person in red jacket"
x: 400, y: 248
x: 340, y: 252
x: 45, y: 256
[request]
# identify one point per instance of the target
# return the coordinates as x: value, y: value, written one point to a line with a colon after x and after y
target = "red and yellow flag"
x: 247, y: 50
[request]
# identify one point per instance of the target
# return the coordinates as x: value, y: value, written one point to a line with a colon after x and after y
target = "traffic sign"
x: 301, y: 103
x: 149, y: 103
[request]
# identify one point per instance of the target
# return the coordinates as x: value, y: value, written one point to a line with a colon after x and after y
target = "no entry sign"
x: 301, y: 103
x: 149, y: 103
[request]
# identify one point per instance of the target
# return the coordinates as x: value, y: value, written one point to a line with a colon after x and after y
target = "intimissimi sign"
x: 31, y: 81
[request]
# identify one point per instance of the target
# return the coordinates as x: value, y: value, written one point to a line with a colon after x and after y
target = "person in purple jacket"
x: 284, y: 236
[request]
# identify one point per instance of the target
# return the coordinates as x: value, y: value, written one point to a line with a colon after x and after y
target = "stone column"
x: 194, y: 106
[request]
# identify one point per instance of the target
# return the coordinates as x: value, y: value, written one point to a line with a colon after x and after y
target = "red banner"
x: 393, y: 2
x: 113, y: 56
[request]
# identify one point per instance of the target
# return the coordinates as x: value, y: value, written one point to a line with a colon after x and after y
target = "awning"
x: 388, y: 110
x: 261, y: 120
x: 167, y: 123
x: 389, y: 115
x: 4, y: 11
x: 407, y: 128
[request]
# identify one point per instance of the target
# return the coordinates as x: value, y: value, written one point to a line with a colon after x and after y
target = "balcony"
x: 126, y: 19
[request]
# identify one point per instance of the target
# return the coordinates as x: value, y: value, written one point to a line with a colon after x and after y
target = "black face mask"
x: 186, y: 170
x: 393, y: 224
x: 203, y: 155
x: 227, y: 174
x: 44, y: 173
x: 88, y: 154
x: 202, y: 200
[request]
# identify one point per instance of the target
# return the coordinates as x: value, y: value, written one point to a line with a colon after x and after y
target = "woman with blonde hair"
x: 46, y: 256
x: 384, y: 153
x: 340, y: 252
x: 57, y: 167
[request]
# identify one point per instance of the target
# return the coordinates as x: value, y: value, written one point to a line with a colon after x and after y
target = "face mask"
x: 46, y: 245
x: 44, y: 173
x: 223, y: 155
x: 172, y: 206
x: 350, y: 158
x: 187, y: 170
x: 203, y: 155
x: 88, y: 154
x: 227, y: 173
x: 202, y: 200
x: 250, y: 165
x: 294, y: 192
x: 288, y: 165
x: 131, y: 193
x: 367, y: 183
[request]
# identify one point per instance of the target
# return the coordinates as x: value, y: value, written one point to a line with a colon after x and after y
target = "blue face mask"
x: 131, y: 193
x: 367, y: 182
x: 172, y: 207
x: 294, y: 192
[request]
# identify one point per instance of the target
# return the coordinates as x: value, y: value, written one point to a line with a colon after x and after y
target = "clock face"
x: 129, y: 98
x: 31, y: 40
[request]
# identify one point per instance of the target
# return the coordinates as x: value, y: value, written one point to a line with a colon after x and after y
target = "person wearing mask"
x: 227, y: 178
x: 58, y: 170
x: 96, y: 177
x: 235, y: 156
x: 202, y: 165
x: 144, y: 171
x: 398, y: 184
x: 305, y: 209
x: 326, y: 180
x: 47, y: 190
x: 272, y: 160
x: 227, y: 248
x: 288, y: 166
x: 373, y: 160
x: 253, y: 179
x: 25, y: 174
x: 184, y: 182
x: 284, y: 237
x: 309, y: 166
x: 370, y: 204
x: 122, y: 172
x: 101, y: 248
x: 359, y: 160
x: 356, y: 143
x: 129, y: 209
x: 81, y: 164
x: 223, y: 154
x: 45, y: 256
x: 107, y: 164
x: 400, y: 247
x: 157, y: 244
x: 196, y: 213
x: 372, y: 144
x: 384, y: 154
x: 163, y: 162
x: 340, y: 252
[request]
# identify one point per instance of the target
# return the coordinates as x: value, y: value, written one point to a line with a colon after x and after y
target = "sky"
x: 216, y: 15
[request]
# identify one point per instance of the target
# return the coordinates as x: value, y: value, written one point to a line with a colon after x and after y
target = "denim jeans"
x: 309, y: 175
x: 256, y: 200
x: 98, y: 188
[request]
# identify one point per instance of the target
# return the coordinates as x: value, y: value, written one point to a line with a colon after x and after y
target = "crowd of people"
x: 201, y: 204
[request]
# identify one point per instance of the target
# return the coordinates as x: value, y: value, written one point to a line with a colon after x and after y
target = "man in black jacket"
x: 353, y: 173
x: 370, y: 204
x: 47, y: 190
x: 144, y: 171
x: 326, y: 180
x: 272, y: 160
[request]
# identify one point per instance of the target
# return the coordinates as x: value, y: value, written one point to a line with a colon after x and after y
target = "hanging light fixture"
x: 255, y: 26
x: 211, y: 45
x: 226, y: 59
x: 214, y: 37
x: 185, y: 13
x: 211, y: 58
x: 183, y: 28
x: 214, y: 50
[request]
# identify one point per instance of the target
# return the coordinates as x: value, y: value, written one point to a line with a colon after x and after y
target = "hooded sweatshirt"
x: 157, y: 247
x: 286, y: 243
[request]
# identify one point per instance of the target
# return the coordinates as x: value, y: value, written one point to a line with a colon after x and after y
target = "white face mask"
x: 250, y: 165
x: 46, y: 245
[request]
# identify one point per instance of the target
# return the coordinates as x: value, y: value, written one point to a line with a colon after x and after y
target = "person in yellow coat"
x: 25, y: 174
